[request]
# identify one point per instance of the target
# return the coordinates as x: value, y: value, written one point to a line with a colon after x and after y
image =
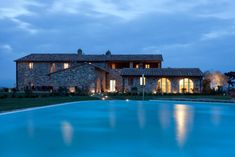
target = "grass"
x: 211, y: 97
x: 10, y: 104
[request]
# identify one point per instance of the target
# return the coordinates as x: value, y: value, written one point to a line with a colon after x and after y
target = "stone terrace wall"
x: 83, y: 77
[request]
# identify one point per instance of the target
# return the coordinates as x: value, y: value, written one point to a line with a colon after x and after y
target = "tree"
x: 206, y: 85
x: 231, y: 79
x: 217, y: 79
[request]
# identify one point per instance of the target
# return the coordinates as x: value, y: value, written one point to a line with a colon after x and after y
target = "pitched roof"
x: 96, y: 66
x: 76, y: 57
x: 162, y: 72
x: 49, y: 57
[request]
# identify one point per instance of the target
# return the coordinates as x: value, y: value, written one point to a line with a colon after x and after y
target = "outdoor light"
x: 103, y: 98
x: 127, y: 99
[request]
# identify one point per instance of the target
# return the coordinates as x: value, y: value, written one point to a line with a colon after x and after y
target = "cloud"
x: 215, y: 34
x: 6, y: 48
x: 129, y: 10
x: 14, y: 9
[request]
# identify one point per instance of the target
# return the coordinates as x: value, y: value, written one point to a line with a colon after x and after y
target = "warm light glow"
x: 30, y: 65
x: 142, y: 81
x: 92, y: 91
x: 183, y: 118
x: 112, y: 86
x: 217, y: 79
x: 113, y: 66
x: 186, y: 85
x: 103, y: 98
x: 165, y: 85
x: 147, y: 66
x: 137, y: 66
x: 66, y: 65
x: 72, y: 89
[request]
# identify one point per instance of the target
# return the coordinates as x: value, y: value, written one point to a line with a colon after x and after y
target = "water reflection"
x: 141, y: 115
x: 184, y: 119
x: 67, y: 132
x: 216, y: 115
x: 165, y: 116
x: 112, y: 117
x: 30, y: 128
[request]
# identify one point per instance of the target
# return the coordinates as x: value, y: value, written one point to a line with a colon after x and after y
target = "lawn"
x: 194, y: 97
x: 9, y: 104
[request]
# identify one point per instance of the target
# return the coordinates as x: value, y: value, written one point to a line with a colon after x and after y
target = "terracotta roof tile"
x: 162, y: 72
x: 76, y: 57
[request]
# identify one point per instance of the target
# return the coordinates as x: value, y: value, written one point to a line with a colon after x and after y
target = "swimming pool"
x: 120, y: 129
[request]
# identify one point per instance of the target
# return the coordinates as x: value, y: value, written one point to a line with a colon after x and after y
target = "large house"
x: 104, y: 73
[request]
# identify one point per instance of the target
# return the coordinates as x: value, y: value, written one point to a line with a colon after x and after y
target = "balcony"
x: 121, y: 65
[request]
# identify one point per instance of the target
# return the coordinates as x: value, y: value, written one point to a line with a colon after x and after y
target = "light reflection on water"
x: 119, y: 129
x: 67, y: 132
x: 112, y: 116
x: 184, y: 119
x: 164, y: 116
x: 30, y: 128
x: 216, y: 115
x: 141, y: 115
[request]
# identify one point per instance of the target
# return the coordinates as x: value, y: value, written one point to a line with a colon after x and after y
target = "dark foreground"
x: 10, y: 104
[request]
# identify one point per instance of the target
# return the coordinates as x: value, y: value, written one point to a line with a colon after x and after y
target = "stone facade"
x: 82, y: 76
x: 94, y: 73
x: 152, y: 84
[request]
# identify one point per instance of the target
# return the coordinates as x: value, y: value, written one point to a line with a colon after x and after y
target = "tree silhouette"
x: 231, y: 79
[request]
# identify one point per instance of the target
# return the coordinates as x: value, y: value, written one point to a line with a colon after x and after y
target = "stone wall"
x: 84, y: 76
x: 87, y: 76
x: 151, y: 84
x: 114, y: 74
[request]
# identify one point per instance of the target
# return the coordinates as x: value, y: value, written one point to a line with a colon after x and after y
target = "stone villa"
x: 104, y: 73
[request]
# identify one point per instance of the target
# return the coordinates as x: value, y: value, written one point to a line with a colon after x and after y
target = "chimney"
x: 108, y: 53
x: 79, y: 52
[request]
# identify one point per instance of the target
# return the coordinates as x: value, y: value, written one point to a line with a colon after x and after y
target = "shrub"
x: 28, y: 92
x: 134, y: 91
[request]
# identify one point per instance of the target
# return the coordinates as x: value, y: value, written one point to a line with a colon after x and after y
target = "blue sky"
x: 188, y: 33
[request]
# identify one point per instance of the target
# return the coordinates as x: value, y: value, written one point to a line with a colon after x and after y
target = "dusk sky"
x: 188, y: 33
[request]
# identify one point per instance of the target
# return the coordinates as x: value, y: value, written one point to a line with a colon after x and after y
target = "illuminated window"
x: 137, y: 66
x: 112, y: 85
x: 164, y: 85
x: 142, y: 81
x: 72, y: 90
x: 113, y: 66
x: 186, y: 86
x: 52, y: 68
x: 147, y: 66
x: 30, y: 65
x: 66, y: 65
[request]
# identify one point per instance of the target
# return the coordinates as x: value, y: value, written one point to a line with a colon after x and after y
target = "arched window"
x: 164, y: 85
x: 186, y: 85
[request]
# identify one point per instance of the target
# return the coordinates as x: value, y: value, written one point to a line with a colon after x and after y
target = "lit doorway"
x: 112, y: 85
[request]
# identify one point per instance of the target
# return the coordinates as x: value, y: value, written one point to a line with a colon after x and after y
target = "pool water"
x: 120, y: 129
